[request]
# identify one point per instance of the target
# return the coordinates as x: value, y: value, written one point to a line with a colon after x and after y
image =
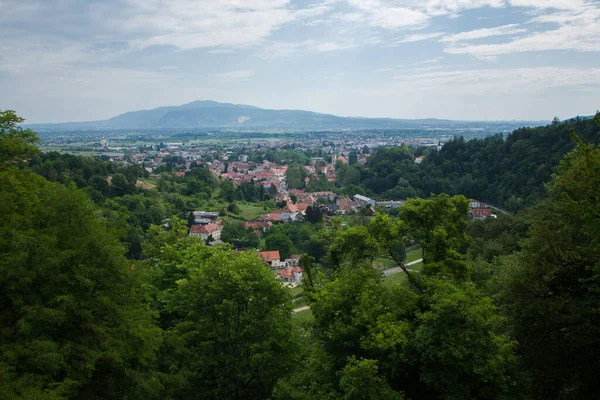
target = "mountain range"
x: 211, y: 114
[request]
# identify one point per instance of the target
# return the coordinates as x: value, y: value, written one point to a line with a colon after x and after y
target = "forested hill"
x: 508, y: 172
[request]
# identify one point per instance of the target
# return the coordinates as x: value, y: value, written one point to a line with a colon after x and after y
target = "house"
x: 390, y: 203
x: 419, y: 160
x: 293, y: 260
x: 204, y: 217
x: 258, y: 225
x: 289, y: 208
x: 481, y: 212
x: 364, y: 201
x: 301, y: 207
x: 290, y: 275
x: 180, y: 174
x: 475, y: 203
x: 346, y: 204
x: 271, y: 257
x: 206, y: 231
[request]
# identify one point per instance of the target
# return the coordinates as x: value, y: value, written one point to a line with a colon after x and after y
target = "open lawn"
x: 297, y: 290
x: 412, y: 253
x: 401, y: 277
x: 303, y: 317
x: 250, y: 211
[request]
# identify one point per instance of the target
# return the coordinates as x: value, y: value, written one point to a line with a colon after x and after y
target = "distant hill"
x: 509, y: 172
x: 210, y: 114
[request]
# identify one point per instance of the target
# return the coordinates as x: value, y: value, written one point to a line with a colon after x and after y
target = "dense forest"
x: 104, y: 295
x: 506, y: 172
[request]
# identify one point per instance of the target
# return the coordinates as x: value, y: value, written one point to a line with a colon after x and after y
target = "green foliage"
x: 439, y: 226
x: 360, y: 381
x: 507, y: 172
x: 234, y: 233
x: 228, y: 320
x: 294, y: 176
x: 279, y: 241
x: 550, y: 291
x: 462, y: 354
x: 321, y: 184
x: 74, y: 322
x: 16, y: 143
x: 313, y: 214
x: 347, y: 175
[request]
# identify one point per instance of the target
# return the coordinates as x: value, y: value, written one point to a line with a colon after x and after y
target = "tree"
x: 352, y: 158
x: 234, y: 322
x: 16, y: 143
x: 72, y: 308
x: 462, y: 354
x: 294, y: 176
x: 439, y: 225
x: 228, y: 191
x: 551, y: 290
x: 279, y: 241
x: 313, y: 214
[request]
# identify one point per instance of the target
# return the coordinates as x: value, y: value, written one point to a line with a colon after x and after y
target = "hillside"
x: 210, y: 114
x: 509, y: 172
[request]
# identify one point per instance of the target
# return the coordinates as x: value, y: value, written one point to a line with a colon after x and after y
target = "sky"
x: 79, y: 60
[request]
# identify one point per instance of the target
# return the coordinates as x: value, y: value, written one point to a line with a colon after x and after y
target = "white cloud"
x: 383, y: 15
x: 289, y: 49
x: 547, y: 4
x: 420, y: 37
x: 235, y: 76
x: 389, y: 14
x: 443, y: 7
x: 331, y: 46
x: 495, y: 80
x: 510, y: 29
x: 579, y: 30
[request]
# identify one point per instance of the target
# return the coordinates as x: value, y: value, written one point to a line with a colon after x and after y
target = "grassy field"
x: 250, y: 211
x: 401, y: 277
x: 303, y: 317
x: 297, y: 290
x: 412, y: 254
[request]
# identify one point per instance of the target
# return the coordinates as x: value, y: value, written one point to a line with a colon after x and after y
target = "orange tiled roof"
x: 269, y: 256
x: 204, y: 229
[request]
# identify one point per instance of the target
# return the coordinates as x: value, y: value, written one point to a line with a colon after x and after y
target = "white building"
x: 364, y: 201
x: 206, y: 231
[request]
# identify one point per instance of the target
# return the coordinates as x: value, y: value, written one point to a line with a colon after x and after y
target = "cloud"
x: 383, y: 15
x: 184, y: 24
x: 235, y: 76
x: 420, y: 37
x: 289, y: 49
x: 548, y: 4
x: 503, y: 80
x: 579, y: 30
x: 414, y: 14
x: 443, y: 7
x: 510, y: 29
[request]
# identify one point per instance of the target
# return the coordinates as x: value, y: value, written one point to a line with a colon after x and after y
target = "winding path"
x: 386, y: 273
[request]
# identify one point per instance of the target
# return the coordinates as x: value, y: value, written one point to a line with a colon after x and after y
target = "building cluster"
x: 288, y: 270
x: 480, y: 210
x: 208, y: 226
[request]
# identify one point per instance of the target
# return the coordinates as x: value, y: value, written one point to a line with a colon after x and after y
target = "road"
x: 386, y: 273
x: 297, y: 310
x: 397, y: 270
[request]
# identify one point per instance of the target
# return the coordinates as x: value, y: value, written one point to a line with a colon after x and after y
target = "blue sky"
x: 76, y: 60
